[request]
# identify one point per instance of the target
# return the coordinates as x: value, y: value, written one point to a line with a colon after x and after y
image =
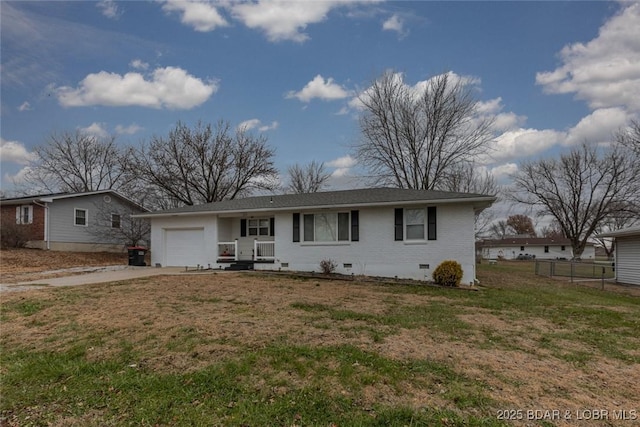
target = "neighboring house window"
x: 326, y: 227
x: 24, y: 214
x: 522, y: 248
x: 115, y: 221
x: 562, y: 248
x: 258, y: 227
x: 546, y: 249
x: 80, y: 217
x: 415, y: 224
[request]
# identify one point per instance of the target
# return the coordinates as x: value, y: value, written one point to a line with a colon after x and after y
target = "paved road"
x: 100, y: 275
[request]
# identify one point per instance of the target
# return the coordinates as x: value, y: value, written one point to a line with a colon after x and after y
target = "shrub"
x: 448, y: 273
x: 328, y: 266
x: 14, y: 235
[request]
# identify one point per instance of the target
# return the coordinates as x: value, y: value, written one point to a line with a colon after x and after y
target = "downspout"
x: 46, y: 222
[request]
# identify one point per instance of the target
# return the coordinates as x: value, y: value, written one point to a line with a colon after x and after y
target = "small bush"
x: 14, y: 235
x: 448, y: 273
x: 328, y: 266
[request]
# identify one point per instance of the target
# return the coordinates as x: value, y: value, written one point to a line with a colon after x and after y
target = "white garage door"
x: 184, y: 247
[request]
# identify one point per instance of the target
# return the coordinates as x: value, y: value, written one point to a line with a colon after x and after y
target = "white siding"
x: 628, y: 260
x: 512, y: 252
x: 377, y: 253
x: 62, y: 226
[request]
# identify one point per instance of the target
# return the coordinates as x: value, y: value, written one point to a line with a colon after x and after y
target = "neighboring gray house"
x: 375, y: 232
x: 84, y: 222
x: 627, y: 254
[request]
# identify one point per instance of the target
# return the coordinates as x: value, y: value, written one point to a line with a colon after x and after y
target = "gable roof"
x: 330, y: 199
x: 51, y: 197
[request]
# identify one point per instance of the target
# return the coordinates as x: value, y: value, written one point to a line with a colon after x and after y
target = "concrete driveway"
x: 96, y: 275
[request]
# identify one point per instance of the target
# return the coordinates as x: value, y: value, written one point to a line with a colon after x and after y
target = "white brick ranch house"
x: 384, y: 232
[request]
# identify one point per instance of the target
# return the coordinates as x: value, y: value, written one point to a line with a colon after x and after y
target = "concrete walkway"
x: 90, y: 276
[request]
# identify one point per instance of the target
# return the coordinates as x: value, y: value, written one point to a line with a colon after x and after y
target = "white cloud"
x: 503, y: 172
x: 320, y: 88
x: 395, y: 23
x: 521, y: 143
x: 255, y: 123
x: 597, y: 127
x: 128, y: 130
x: 138, y: 64
x: 168, y: 87
x: 95, y: 129
x: 283, y: 20
x: 249, y: 124
x: 109, y: 8
x: 25, y: 106
x: 273, y: 126
x: 201, y: 15
x: 342, y: 164
x: 605, y: 72
x: 16, y: 152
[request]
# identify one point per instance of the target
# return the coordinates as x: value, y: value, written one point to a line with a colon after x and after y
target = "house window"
x: 562, y: 248
x: 326, y: 227
x: 80, y: 217
x: 24, y: 214
x: 258, y: 227
x: 546, y: 249
x: 522, y: 248
x: 115, y: 221
x: 415, y: 224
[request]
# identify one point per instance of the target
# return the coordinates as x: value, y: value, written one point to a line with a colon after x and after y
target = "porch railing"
x: 228, y: 251
x: 264, y: 251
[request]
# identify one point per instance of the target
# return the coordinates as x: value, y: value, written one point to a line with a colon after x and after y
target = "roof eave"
x: 485, y: 202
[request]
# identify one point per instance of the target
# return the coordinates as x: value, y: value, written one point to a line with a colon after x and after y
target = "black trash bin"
x: 136, y: 256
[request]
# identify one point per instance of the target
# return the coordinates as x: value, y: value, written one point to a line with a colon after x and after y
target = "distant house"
x: 537, y: 247
x: 384, y: 232
x: 71, y: 221
x: 627, y: 254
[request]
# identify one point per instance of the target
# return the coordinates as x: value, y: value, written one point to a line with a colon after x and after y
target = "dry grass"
x: 501, y: 348
x: 21, y: 265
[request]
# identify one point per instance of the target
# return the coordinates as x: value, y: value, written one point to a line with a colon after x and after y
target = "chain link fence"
x: 575, y: 269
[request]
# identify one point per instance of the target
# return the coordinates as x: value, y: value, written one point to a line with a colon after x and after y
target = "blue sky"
x: 553, y: 73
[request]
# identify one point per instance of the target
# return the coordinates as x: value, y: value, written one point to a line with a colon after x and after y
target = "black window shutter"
x: 296, y: 227
x: 243, y: 228
x: 431, y: 223
x: 355, y: 231
x: 272, y: 226
x: 399, y: 224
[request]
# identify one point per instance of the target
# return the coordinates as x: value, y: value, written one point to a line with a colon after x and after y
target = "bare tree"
x: 630, y: 137
x: 308, y: 178
x: 552, y: 231
x: 78, y: 162
x: 413, y: 137
x: 205, y: 164
x: 580, y: 189
x: 115, y: 224
x: 521, y: 224
x: 616, y: 221
x: 500, y: 229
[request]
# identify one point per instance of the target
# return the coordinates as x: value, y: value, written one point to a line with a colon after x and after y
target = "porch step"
x: 240, y: 266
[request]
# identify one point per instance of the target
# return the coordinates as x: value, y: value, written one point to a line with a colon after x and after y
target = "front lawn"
x: 258, y: 350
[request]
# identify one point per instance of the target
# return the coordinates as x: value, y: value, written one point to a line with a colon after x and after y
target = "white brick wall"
x: 377, y: 254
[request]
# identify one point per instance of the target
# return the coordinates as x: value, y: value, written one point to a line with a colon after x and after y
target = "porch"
x: 263, y: 251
